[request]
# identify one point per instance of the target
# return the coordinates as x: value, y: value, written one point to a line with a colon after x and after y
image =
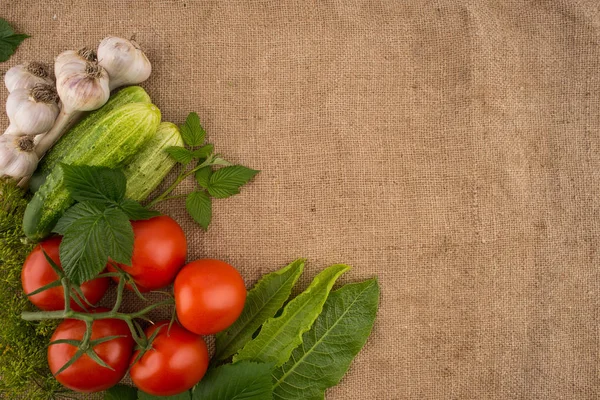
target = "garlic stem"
x: 62, y: 123
x: 82, y: 86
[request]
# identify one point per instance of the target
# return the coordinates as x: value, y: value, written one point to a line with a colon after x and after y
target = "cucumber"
x: 147, y: 169
x: 114, y: 139
x: 130, y: 94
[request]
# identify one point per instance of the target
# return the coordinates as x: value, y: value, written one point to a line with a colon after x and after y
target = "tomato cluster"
x: 209, y: 296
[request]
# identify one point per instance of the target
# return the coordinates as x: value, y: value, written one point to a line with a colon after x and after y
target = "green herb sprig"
x: 9, y: 40
x: 220, y: 183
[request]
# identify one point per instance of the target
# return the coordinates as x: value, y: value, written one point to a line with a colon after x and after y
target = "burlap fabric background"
x: 448, y: 147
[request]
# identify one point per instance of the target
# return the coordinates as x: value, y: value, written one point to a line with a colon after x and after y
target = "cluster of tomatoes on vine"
x: 94, y: 347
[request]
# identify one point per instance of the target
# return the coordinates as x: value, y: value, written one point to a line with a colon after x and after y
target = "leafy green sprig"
x: 220, y: 183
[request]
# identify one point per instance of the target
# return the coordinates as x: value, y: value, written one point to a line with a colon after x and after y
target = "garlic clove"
x: 124, y: 61
x: 82, y: 86
x: 26, y: 76
x: 17, y: 158
x: 32, y: 111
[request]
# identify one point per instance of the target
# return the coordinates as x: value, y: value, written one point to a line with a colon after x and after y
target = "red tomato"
x: 86, y: 375
x: 159, y: 251
x: 37, y: 272
x: 209, y: 296
x: 177, y: 361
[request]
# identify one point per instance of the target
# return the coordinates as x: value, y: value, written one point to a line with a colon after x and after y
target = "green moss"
x: 23, y: 366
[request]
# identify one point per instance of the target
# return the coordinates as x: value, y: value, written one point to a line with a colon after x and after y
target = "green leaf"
x: 241, y: 381
x: 199, y: 206
x: 192, y: 132
x: 135, y: 211
x: 88, y: 243
x: 180, y: 154
x: 187, y: 395
x: 221, y: 161
x: 279, y: 336
x: 121, y: 392
x: 9, y: 40
x: 330, y: 346
x: 203, y: 176
x: 99, y: 184
x: 119, y: 236
x: 76, y: 212
x: 204, y: 151
x: 5, y: 28
x: 263, y: 302
x: 226, y: 181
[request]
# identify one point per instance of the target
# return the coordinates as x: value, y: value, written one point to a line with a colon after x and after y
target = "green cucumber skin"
x: 114, y: 140
x: 130, y: 94
x: 149, y: 167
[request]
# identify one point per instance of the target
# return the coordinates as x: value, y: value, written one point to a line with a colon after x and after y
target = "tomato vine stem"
x: 85, y: 346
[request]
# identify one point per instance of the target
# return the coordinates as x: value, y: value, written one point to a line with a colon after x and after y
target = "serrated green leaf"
x: 192, y: 132
x: 88, y: 243
x: 121, y: 392
x: 76, y: 212
x: 187, y: 395
x: 119, y: 236
x: 204, y: 151
x: 180, y: 154
x: 329, y: 347
x: 135, y: 211
x: 199, y: 206
x: 262, y: 302
x: 97, y: 184
x: 9, y: 40
x: 227, y: 181
x: 241, y: 381
x: 83, y: 251
x: 279, y: 336
x: 203, y: 176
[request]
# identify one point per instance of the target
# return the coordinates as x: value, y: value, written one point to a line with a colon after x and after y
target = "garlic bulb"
x: 32, y: 111
x: 17, y: 158
x: 83, y: 55
x: 25, y: 76
x: 81, y: 86
x: 124, y: 61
